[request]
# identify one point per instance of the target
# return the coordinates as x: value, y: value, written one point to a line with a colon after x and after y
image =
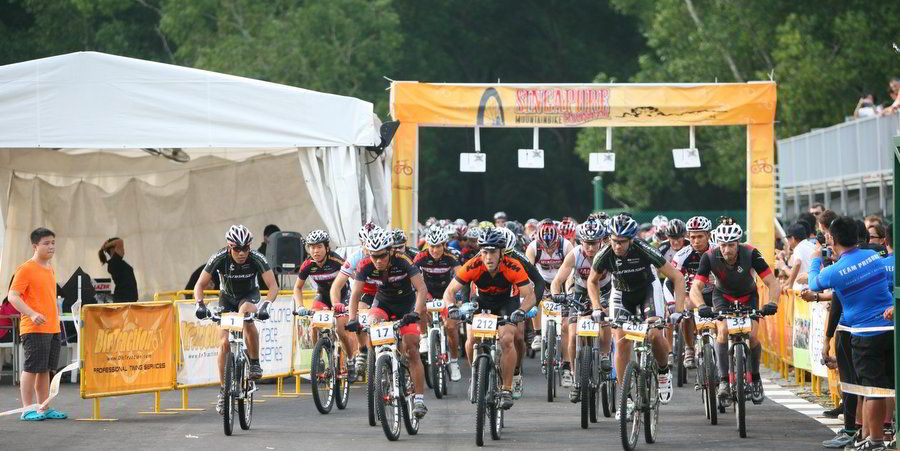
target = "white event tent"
x: 72, y: 133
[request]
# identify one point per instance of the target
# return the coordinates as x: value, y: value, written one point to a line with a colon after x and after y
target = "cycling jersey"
x: 323, y: 275
x: 237, y: 280
x: 408, y: 252
x: 582, y: 271
x: 735, y: 283
x: 454, y: 252
x: 495, y: 291
x: 634, y: 272
x: 687, y: 260
x: 394, y: 284
x: 466, y: 253
x: 533, y: 274
x: 437, y: 272
x: 349, y: 269
x: 668, y: 252
x: 547, y: 262
x: 861, y: 278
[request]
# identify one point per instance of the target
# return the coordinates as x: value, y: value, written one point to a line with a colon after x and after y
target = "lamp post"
x: 598, y: 192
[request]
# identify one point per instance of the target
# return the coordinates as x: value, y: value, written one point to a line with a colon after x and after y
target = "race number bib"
x: 382, y: 333
x: 635, y: 332
x: 323, y: 319
x: 484, y: 325
x: 232, y: 321
x: 363, y: 317
x: 435, y: 305
x: 738, y: 325
x: 551, y: 308
x: 587, y: 327
x: 704, y: 323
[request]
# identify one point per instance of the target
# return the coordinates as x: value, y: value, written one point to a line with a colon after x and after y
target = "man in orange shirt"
x: 33, y: 293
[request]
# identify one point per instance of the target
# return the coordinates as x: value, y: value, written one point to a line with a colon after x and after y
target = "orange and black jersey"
x: 509, y: 273
x: 323, y: 274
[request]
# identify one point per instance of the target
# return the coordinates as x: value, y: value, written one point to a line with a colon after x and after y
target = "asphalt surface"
x: 292, y: 423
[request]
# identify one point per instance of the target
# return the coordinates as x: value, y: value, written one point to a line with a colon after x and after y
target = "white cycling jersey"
x: 547, y: 262
x: 582, y: 269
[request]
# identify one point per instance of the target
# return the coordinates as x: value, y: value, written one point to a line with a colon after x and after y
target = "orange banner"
x: 590, y: 105
x: 127, y: 348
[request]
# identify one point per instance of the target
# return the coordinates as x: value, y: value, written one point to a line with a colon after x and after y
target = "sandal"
x: 54, y: 414
x: 33, y: 415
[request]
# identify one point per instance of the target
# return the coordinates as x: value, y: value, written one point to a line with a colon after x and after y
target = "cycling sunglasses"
x: 245, y: 248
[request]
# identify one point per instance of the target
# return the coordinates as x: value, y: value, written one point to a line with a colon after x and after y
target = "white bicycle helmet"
x: 728, y: 233
x: 379, y: 240
x: 473, y: 233
x: 660, y: 222
x: 364, y: 231
x: 511, y: 240
x: 238, y: 236
x: 436, y: 236
x: 317, y: 237
x: 699, y: 224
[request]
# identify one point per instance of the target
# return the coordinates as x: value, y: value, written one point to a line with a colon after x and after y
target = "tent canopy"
x: 72, y: 130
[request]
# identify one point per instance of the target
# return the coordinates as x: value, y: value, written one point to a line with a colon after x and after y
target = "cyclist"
x: 469, y: 244
x: 630, y: 260
x: 400, y: 246
x: 534, y: 276
x: 460, y: 230
x: 438, y: 268
x: 687, y: 260
x: 591, y: 234
x: 237, y: 267
x: 660, y: 223
x: 495, y: 275
x: 323, y: 266
x: 500, y: 219
x: 734, y: 265
x: 547, y: 252
x: 348, y: 269
x: 395, y: 276
x: 675, y: 241
x: 567, y: 229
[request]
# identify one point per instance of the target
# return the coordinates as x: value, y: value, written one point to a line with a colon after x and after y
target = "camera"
x: 820, y: 237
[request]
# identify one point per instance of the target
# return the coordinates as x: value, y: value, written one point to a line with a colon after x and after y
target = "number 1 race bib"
x: 232, y: 321
x: 484, y: 325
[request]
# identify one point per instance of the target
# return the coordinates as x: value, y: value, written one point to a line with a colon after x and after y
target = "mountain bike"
x: 438, y: 354
x: 678, y: 369
x: 328, y: 369
x: 739, y: 322
x: 551, y: 336
x: 640, y: 388
x: 596, y: 386
x: 707, y: 371
x: 486, y: 358
x: 394, y: 391
x: 238, y: 388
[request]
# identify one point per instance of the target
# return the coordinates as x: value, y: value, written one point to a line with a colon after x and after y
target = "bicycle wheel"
x: 740, y: 364
x: 680, y: 371
x: 370, y: 386
x: 434, y: 364
x: 407, y: 397
x: 495, y: 414
x: 490, y: 109
x: 550, y: 358
x: 651, y: 413
x: 584, y: 377
x: 709, y: 368
x: 341, y: 382
x: 386, y: 405
x: 427, y: 367
x: 482, y: 367
x: 228, y: 394
x: 630, y: 428
x: 321, y: 375
x: 245, y: 402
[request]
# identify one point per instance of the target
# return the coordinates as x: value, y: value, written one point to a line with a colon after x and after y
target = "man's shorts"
x: 501, y: 306
x: 648, y: 301
x: 394, y: 310
x: 873, y: 359
x: 722, y: 301
x: 41, y: 352
x: 232, y: 304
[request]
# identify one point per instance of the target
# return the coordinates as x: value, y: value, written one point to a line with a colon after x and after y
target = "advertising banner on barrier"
x: 303, y: 345
x: 818, y: 319
x: 276, y: 338
x: 800, y: 331
x: 199, y: 343
x: 127, y: 348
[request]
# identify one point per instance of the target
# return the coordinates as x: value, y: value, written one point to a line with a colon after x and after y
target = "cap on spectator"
x: 270, y: 229
x: 797, y: 231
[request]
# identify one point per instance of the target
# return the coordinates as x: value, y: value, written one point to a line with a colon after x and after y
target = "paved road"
x: 533, y: 423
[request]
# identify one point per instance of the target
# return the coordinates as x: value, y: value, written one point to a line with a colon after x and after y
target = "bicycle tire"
x: 651, y: 414
x: 481, y: 382
x: 407, y: 397
x: 370, y: 386
x: 629, y: 431
x: 434, y: 340
x: 384, y: 375
x: 740, y: 403
x: 584, y: 378
x: 427, y: 368
x: 244, y: 405
x: 550, y: 356
x: 711, y: 383
x: 341, y: 393
x: 680, y: 371
x: 489, y: 93
x: 495, y: 414
x: 321, y: 375
x: 228, y: 394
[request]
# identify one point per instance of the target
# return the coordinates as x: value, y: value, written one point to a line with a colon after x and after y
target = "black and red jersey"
x: 733, y: 281
x: 437, y: 272
x: 323, y: 274
x: 394, y: 283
